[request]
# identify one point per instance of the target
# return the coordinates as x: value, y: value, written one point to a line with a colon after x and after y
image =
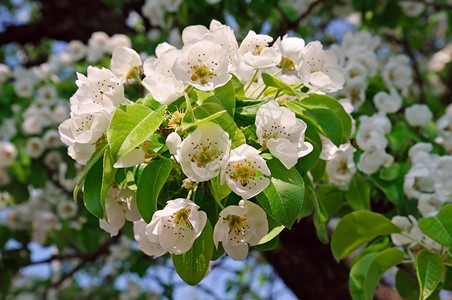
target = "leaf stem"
x: 415, y: 240
x: 252, y: 80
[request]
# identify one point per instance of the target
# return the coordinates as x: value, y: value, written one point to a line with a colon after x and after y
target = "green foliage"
x: 429, y: 270
x: 365, y: 274
x: 439, y: 227
x: 192, y: 265
x: 283, y: 198
x: 149, y: 186
x: 357, y: 229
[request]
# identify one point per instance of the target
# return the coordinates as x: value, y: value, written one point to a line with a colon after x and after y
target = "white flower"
x: 134, y: 157
x: 244, y: 172
x: 81, y: 153
x: 319, y: 69
x: 355, y: 90
x: 409, y: 226
x: 123, y: 61
x: 371, y: 161
x: 388, y: 103
x: 67, y: 209
x: 397, y: 72
x: 77, y: 50
x: 35, y: 147
x: 160, y: 80
x: 418, y: 115
x: 8, y: 153
x: 5, y: 71
x: 176, y: 226
x: 255, y: 52
x: 412, y: 9
x: 203, y: 64
x: 282, y: 133
x: 120, y: 205
x: 84, y: 128
x: 202, y: 153
x: 341, y: 167
x: 101, y: 90
x: 150, y: 248
x: 51, y: 139
x: 291, y: 48
x: 240, y: 226
x: 118, y: 40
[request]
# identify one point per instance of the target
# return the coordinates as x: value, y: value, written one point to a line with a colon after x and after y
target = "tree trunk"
x: 307, y: 266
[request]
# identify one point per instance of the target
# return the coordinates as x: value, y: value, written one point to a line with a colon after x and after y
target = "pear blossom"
x: 53, y: 159
x: 371, y: 161
x: 291, y: 48
x: 218, y: 33
x: 8, y: 153
x: 77, y: 50
x: 51, y: 139
x: 409, y: 226
x: 418, y: 115
x: 100, y: 90
x: 84, y: 128
x: 397, y: 72
x: 120, y: 204
x: 134, y: 157
x: 5, y: 71
x: 67, y: 209
x: 244, y: 172
x: 35, y: 147
x: 176, y: 226
x: 341, y: 167
x: 118, y: 40
x: 202, y: 153
x: 81, y: 153
x: 123, y: 61
x: 160, y: 79
x: 150, y: 248
x: 203, y: 64
x: 255, y: 52
x: 319, y: 69
x: 389, y: 103
x: 282, y: 133
x: 355, y: 90
x: 240, y: 226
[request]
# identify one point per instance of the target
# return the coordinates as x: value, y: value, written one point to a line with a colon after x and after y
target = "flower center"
x: 201, y: 73
x: 181, y: 217
x: 205, y: 156
x: 287, y: 65
x: 243, y: 172
x: 257, y: 49
x: 343, y: 167
x: 235, y: 223
x: 175, y: 121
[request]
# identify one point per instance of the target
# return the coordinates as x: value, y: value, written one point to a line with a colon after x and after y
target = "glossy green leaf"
x: 439, y: 227
x: 192, y: 265
x: 271, y: 235
x: 407, y: 285
x: 100, y: 150
x: 391, y: 172
x: 358, y: 194
x: 93, y: 189
x: 226, y: 95
x: 320, y: 214
x: 429, y: 270
x: 271, y: 80
x: 365, y: 274
x: 108, y: 175
x: 130, y: 126
x: 283, y: 198
x: 150, y: 183
x: 316, y: 107
x: 357, y: 229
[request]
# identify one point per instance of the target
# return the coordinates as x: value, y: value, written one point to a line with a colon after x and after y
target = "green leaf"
x: 317, y: 107
x: 271, y: 80
x: 393, y: 190
x: 130, y: 126
x: 358, y: 194
x: 192, y: 265
x: 407, y: 285
x: 271, y: 235
x: 357, y: 229
x: 226, y: 95
x: 150, y: 184
x: 365, y: 274
x: 320, y: 214
x: 92, y: 189
x: 108, y: 175
x: 283, y: 198
x: 439, y: 227
x: 391, y: 172
x: 100, y: 150
x: 429, y: 270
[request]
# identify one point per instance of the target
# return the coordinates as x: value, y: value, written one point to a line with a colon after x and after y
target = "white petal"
x: 131, y: 159
x: 284, y: 150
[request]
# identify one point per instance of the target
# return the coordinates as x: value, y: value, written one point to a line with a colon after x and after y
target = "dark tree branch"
x: 307, y: 266
x: 67, y: 20
x: 290, y: 25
